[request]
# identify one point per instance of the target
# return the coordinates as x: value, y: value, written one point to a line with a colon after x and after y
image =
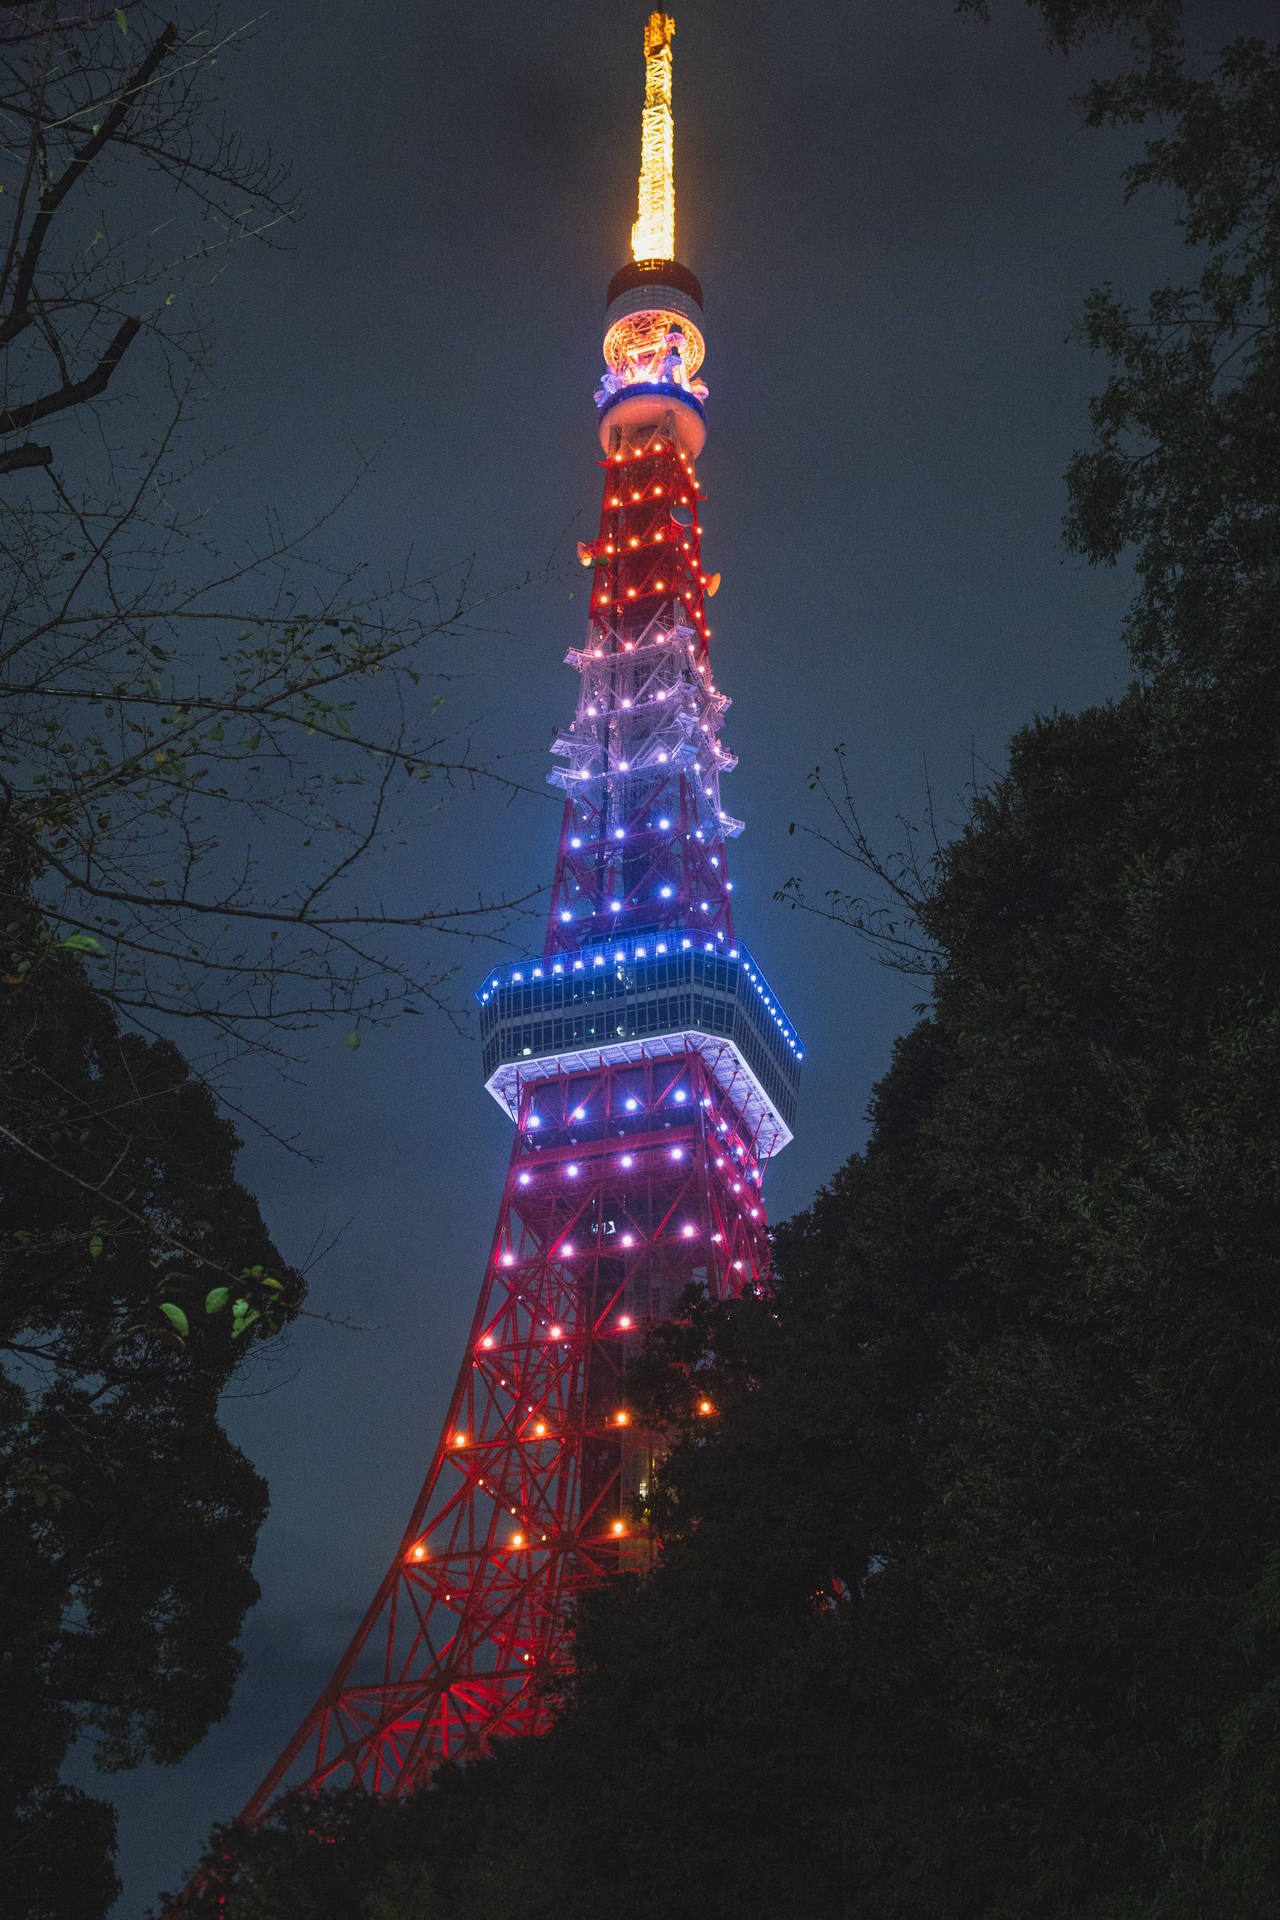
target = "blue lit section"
x: 642, y: 947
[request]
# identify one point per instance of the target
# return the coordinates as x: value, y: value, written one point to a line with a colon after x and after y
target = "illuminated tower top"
x: 653, y: 236
x: 653, y: 339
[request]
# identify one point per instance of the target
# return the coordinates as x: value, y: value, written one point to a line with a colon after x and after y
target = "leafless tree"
x: 201, y: 754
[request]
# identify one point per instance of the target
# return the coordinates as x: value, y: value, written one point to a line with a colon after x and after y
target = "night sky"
x: 895, y: 215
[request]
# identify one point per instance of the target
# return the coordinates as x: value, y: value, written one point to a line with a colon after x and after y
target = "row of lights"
x: 516, y: 977
x: 640, y: 951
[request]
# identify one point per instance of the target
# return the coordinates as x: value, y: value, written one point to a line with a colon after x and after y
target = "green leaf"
x: 122, y: 21
x: 95, y: 1246
x: 83, y: 943
x: 245, y: 1321
x: 275, y: 1285
x: 353, y: 1041
x: 175, y: 1316
x: 216, y: 1299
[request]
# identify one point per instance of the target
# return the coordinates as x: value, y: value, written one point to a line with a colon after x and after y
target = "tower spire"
x: 653, y: 236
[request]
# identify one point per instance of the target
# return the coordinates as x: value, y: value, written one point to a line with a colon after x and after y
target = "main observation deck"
x: 643, y: 997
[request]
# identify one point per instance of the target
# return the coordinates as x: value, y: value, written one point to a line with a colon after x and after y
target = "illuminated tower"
x: 651, y: 1075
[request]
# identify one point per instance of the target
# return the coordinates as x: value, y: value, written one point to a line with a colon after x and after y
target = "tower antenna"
x: 653, y: 236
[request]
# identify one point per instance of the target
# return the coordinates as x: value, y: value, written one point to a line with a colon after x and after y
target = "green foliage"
x: 127, y: 1519
x: 1185, y: 469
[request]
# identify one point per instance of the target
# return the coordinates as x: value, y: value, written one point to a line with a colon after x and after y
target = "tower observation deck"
x: 651, y: 1074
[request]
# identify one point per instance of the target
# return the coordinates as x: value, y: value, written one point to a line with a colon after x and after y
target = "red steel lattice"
x: 626, y: 1185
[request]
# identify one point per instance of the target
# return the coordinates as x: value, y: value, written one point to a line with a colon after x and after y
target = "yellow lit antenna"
x: 653, y: 236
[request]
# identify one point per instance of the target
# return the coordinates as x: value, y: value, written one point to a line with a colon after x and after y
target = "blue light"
x: 534, y: 1120
x: 619, y: 833
x: 632, y: 1105
x: 598, y: 961
x: 665, y: 892
x: 681, y: 1095
x: 615, y: 906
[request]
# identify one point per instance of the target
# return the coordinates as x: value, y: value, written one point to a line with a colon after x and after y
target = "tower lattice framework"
x: 650, y: 1073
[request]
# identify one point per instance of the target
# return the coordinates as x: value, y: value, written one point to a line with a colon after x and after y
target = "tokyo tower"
x: 651, y: 1075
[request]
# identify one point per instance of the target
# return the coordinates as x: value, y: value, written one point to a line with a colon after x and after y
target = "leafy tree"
x: 127, y: 1518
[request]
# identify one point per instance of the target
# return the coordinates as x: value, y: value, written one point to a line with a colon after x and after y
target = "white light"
x: 628, y: 1239
x: 575, y: 843
x: 619, y: 833
x: 572, y: 1170
x: 537, y: 973
x: 579, y: 1113
x: 620, y: 955
x: 628, y: 1160
x: 508, y: 1259
x: 567, y: 1250
x: 664, y: 824
x: 661, y: 947
x: 624, y: 766
x: 681, y: 1095
x: 565, y: 914
x: 577, y: 966
x: 524, y: 1179
x: 534, y: 1120
x: 685, y: 945
x: 615, y: 906
x: 666, y: 893
x: 640, y: 953
x: 517, y: 976
x: 677, y: 1153
x: 631, y: 1106
x: 689, y: 1233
